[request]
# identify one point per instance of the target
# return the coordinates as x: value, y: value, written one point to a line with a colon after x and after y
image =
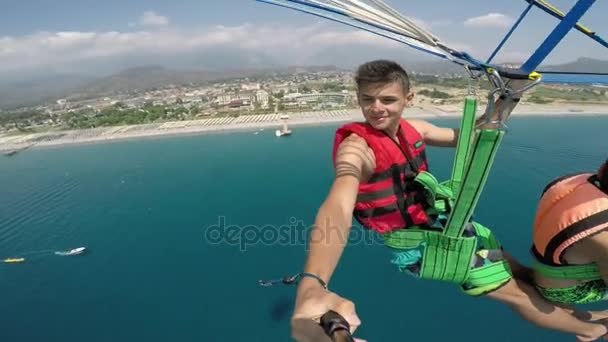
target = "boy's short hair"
x: 382, y: 71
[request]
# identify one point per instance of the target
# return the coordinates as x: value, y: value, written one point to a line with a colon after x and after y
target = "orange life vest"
x: 571, y: 208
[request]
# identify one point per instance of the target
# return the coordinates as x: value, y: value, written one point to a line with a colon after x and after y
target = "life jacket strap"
x: 403, y: 200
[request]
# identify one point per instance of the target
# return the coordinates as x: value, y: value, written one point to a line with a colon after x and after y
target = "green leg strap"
x: 487, y: 278
x: 488, y: 238
x: 443, y: 258
x: 576, y: 272
x: 447, y: 258
x: 491, y: 276
x: 450, y: 259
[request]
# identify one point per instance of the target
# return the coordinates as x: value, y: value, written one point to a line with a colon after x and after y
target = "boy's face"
x: 383, y: 104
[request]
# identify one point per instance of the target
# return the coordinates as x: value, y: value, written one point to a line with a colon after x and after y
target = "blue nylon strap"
x: 557, y: 35
x: 466, y: 57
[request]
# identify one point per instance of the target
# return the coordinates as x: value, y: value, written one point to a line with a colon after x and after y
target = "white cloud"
x: 489, y: 20
x: 150, y: 18
x: 68, y: 49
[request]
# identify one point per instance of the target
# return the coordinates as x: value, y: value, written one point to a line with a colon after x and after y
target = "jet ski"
x: 14, y: 260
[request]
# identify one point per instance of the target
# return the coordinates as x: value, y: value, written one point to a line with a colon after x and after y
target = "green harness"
x: 568, y: 272
x: 592, y: 289
x: 448, y: 255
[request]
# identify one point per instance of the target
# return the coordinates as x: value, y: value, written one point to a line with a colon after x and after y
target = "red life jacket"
x: 388, y: 200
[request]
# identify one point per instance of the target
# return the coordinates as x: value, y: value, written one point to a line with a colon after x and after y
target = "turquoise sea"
x: 180, y: 229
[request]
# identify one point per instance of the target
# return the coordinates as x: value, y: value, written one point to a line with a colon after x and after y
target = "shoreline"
x: 256, y: 123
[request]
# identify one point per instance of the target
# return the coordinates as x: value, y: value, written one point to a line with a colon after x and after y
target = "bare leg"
x: 527, y: 302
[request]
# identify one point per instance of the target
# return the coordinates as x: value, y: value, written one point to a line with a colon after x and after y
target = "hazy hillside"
x: 33, y: 92
x: 581, y: 65
x: 51, y: 88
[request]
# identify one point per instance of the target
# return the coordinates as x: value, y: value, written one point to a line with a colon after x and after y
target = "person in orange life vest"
x: 571, y: 232
x: 384, y: 139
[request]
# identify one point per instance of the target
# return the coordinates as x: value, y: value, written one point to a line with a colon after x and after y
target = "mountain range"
x: 50, y: 88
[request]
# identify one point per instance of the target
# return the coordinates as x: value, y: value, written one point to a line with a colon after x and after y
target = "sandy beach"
x: 257, y: 123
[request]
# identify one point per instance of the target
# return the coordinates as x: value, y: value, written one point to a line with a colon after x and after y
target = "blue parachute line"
x: 337, y: 16
x: 334, y: 15
x: 508, y: 35
x: 578, y: 27
x: 567, y: 22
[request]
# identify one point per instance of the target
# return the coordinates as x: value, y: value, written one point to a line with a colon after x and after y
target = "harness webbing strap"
x: 447, y: 258
x: 451, y: 258
x: 496, y: 273
x: 576, y: 272
x: 463, y: 148
x: 439, y: 197
x: 484, y: 150
x: 404, y: 239
x: 444, y: 258
x: 487, y: 235
x: 447, y: 253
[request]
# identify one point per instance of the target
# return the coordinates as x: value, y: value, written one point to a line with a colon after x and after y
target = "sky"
x: 103, y: 37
